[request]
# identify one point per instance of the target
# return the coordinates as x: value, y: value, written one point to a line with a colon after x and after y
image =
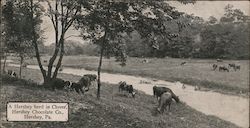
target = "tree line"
x: 225, y: 38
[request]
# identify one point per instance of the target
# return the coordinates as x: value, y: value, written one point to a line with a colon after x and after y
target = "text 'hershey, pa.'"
x: 21, y: 111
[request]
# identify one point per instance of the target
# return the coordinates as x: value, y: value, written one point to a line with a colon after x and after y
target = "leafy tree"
x: 107, y: 22
x: 17, y: 29
x: 227, y: 38
x: 233, y: 15
x: 62, y: 14
x: 212, y: 20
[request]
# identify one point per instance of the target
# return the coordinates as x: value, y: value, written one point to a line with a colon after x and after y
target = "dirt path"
x: 230, y: 108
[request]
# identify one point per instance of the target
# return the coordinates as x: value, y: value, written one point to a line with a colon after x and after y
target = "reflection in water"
x: 230, y: 108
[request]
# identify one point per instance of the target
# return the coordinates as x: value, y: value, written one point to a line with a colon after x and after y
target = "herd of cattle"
x: 224, y: 68
x: 80, y: 87
x: 164, y: 95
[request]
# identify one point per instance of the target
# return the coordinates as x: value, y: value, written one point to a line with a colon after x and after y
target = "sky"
x: 202, y: 9
x: 205, y: 9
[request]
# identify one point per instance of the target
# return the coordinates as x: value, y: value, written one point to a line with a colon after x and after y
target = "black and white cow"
x: 12, y: 73
x: 123, y: 86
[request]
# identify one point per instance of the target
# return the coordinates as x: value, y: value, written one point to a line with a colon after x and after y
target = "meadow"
x: 112, y: 110
x: 195, y: 72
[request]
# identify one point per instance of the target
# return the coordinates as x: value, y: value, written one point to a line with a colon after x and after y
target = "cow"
x: 165, y: 100
x: 72, y: 86
x: 68, y: 86
x: 86, y: 80
x: 215, y: 66
x: 237, y: 67
x: 123, y: 86
x: 231, y: 65
x: 12, y: 73
x: 223, y: 68
x: 158, y: 91
x: 183, y: 63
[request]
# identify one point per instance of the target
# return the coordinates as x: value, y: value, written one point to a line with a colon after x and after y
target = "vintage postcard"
x: 124, y: 64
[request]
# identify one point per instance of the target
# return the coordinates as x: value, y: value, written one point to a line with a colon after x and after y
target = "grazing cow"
x: 231, y: 65
x: 12, y: 73
x: 183, y: 63
x: 71, y: 86
x: 215, y: 66
x: 68, y: 86
x: 223, y: 68
x: 237, y: 67
x: 158, y: 91
x: 86, y: 80
x: 165, y: 100
x: 123, y: 86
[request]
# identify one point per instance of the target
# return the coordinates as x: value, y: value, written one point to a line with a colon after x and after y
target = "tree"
x: 107, y: 22
x: 233, y: 15
x: 62, y: 14
x: 227, y: 38
x: 17, y: 29
x: 212, y: 20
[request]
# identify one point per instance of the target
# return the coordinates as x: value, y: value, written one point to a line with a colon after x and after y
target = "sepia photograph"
x: 124, y: 63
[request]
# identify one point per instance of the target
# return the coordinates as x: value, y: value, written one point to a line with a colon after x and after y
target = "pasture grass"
x: 113, y: 110
x: 194, y: 72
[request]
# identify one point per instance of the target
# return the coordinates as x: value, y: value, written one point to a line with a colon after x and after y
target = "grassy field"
x: 114, y: 110
x: 194, y: 72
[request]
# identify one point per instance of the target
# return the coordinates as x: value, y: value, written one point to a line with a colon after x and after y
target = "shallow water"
x: 227, y: 107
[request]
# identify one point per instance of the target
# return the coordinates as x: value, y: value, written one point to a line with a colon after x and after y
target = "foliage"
x: 17, y: 28
x: 215, y: 38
